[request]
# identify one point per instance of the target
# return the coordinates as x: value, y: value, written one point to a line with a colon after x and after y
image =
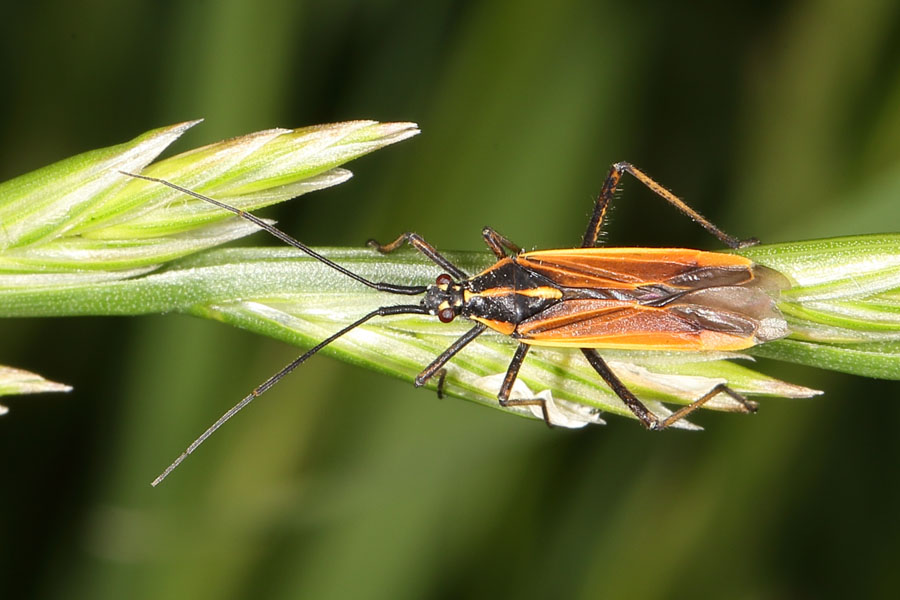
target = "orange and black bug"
x: 585, y: 298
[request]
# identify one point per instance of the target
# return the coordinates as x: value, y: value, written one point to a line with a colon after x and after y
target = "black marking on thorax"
x: 508, y: 292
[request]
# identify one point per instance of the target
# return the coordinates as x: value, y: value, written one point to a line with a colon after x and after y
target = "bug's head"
x: 444, y: 298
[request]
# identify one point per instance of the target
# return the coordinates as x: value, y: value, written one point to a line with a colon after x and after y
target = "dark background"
x: 779, y: 120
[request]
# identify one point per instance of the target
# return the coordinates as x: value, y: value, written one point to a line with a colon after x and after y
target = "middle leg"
x: 438, y: 363
x: 506, y: 388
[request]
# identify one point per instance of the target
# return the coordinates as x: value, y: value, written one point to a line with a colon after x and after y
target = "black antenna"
x: 408, y: 290
x: 401, y: 309
x: 264, y: 386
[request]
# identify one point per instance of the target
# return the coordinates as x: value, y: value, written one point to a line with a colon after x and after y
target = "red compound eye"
x: 446, y: 315
x: 444, y: 279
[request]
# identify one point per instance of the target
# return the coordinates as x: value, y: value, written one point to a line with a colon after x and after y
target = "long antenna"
x: 408, y: 290
x: 401, y: 309
x: 261, y: 389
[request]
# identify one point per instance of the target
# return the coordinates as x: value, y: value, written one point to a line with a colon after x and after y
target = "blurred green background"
x: 776, y: 119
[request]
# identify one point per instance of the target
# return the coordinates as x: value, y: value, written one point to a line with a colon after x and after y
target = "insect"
x: 585, y: 298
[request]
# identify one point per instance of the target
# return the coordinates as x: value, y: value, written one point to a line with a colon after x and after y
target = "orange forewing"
x: 618, y: 268
x: 609, y: 323
x: 618, y: 324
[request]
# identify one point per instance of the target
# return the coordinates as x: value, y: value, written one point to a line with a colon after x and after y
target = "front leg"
x: 416, y: 241
x: 438, y: 363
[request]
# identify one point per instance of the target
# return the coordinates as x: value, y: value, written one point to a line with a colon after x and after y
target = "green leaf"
x: 16, y: 381
x: 84, y: 221
x: 46, y: 204
x: 844, y: 305
x: 83, y: 214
